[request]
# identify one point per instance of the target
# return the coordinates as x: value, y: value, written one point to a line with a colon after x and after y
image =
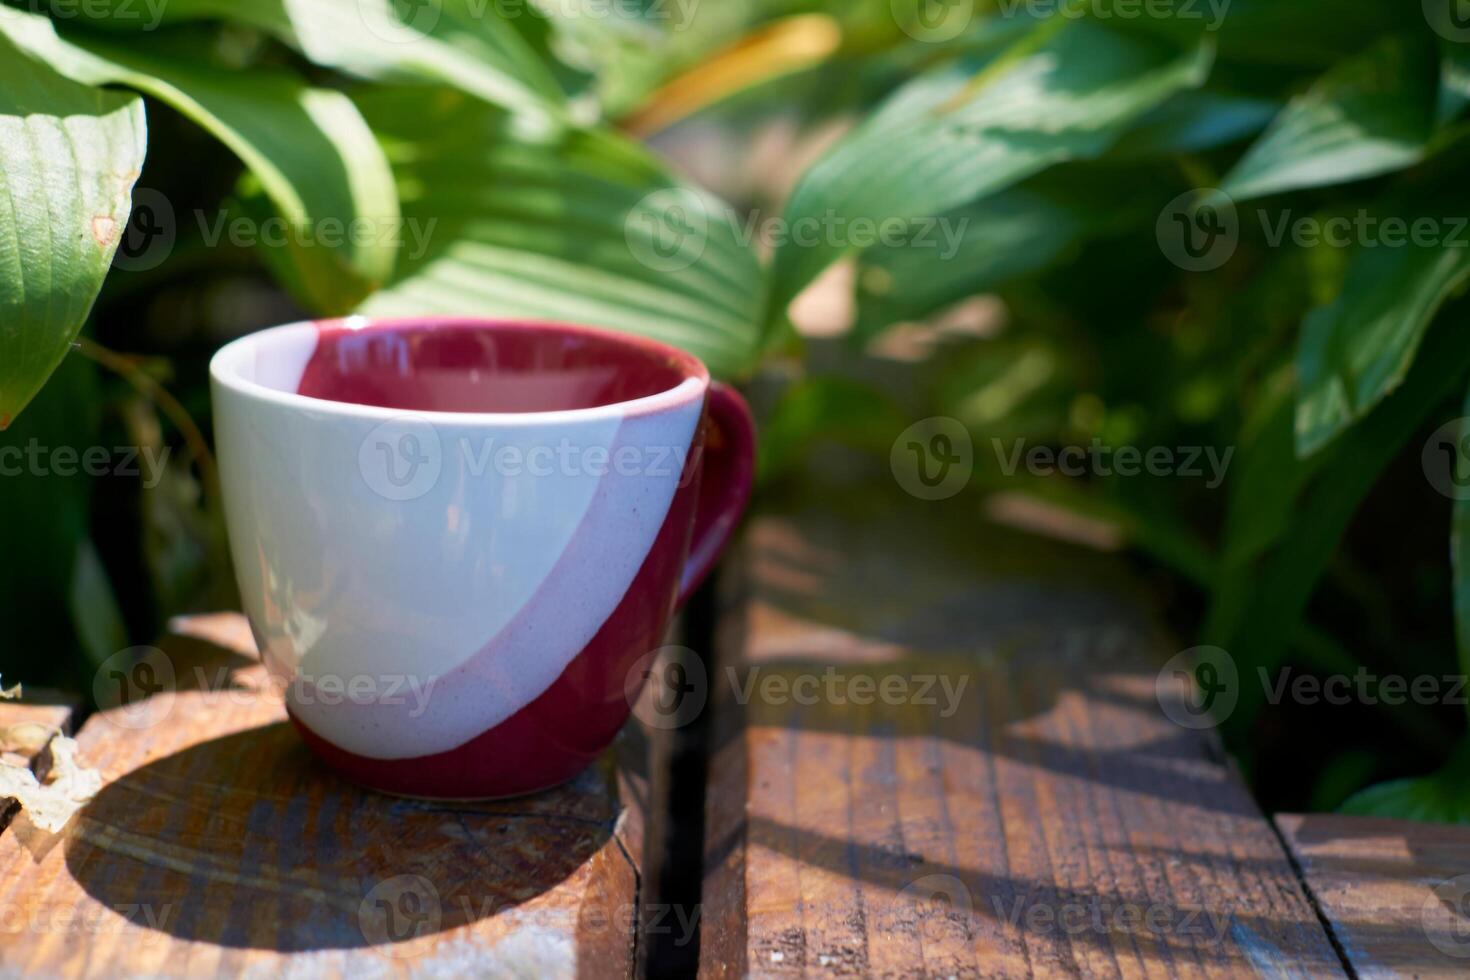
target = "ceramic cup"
x: 456, y: 540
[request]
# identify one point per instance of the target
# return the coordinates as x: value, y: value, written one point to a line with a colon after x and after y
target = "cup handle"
x: 728, y: 464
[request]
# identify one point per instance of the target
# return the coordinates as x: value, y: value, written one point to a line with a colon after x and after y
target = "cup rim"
x: 224, y: 370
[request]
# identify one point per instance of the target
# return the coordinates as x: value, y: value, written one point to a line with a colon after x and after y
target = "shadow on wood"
x: 219, y: 846
x: 245, y: 841
x: 941, y: 750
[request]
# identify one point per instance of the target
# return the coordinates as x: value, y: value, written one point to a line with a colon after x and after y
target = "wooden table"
x: 933, y: 748
x: 1056, y: 822
x: 218, y: 847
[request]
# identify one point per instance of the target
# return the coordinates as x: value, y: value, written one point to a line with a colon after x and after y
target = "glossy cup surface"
x: 455, y: 540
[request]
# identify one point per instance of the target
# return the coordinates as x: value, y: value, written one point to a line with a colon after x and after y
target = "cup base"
x: 498, y: 769
x: 427, y: 798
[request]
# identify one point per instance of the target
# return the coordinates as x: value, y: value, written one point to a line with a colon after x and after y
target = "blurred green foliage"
x: 1234, y: 226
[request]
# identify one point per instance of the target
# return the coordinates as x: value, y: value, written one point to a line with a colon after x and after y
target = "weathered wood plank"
x: 987, y: 786
x: 1396, y: 893
x: 219, y: 847
x: 26, y: 729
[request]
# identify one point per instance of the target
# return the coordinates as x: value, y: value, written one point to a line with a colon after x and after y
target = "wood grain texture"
x: 218, y: 847
x: 1015, y: 804
x: 1396, y: 893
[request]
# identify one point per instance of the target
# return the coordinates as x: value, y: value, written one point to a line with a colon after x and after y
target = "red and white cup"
x: 456, y: 538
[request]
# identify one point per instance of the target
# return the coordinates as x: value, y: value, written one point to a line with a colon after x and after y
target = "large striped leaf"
x: 980, y: 246
x: 1355, y: 351
x: 1067, y: 90
x: 69, y: 156
x: 1369, y: 115
x: 573, y: 225
x: 969, y: 250
x: 470, y: 44
x: 311, y: 151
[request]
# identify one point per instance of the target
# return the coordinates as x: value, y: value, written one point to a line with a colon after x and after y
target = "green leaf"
x: 1454, y: 81
x: 1066, y: 91
x: 46, y: 529
x: 1016, y: 232
x: 1355, y: 351
x: 577, y: 225
x: 69, y: 155
x: 1302, y: 32
x: 94, y: 610
x: 310, y: 149
x: 1441, y: 797
x: 1258, y: 611
x: 1193, y: 121
x: 1268, y: 478
x: 1369, y: 115
x: 966, y: 251
x: 469, y: 44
